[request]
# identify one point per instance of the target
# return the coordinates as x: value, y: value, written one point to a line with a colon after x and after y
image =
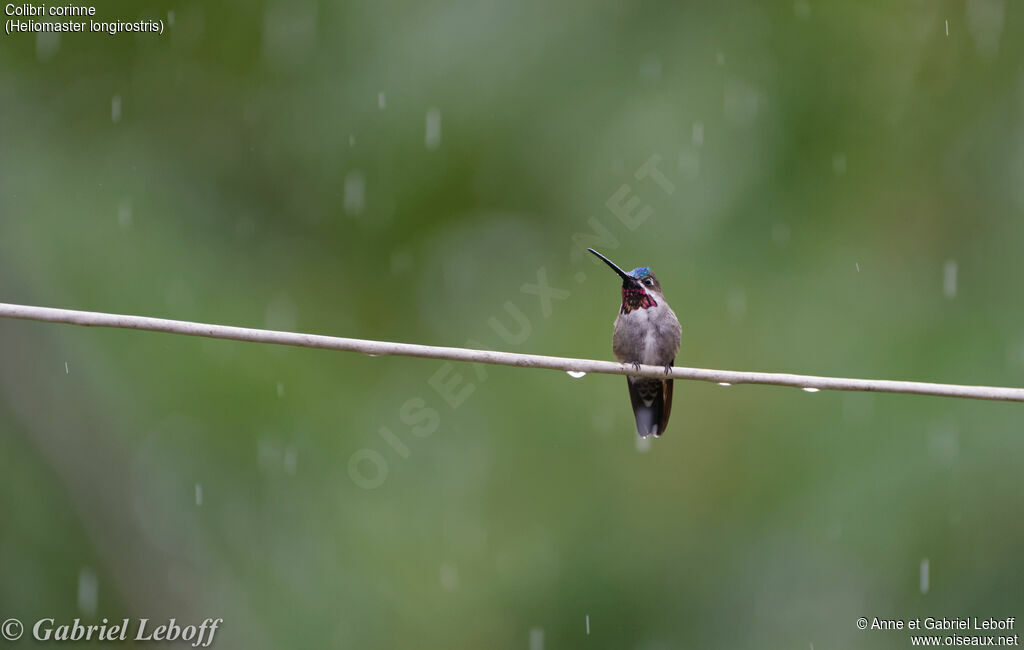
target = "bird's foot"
x: 636, y: 366
x: 668, y: 370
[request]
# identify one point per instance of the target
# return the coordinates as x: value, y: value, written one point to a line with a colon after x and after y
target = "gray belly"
x: 647, y: 336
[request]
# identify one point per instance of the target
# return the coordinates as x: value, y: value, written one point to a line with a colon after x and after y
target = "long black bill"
x: 626, y: 278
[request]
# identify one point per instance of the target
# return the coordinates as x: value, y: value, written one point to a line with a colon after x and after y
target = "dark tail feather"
x: 652, y: 403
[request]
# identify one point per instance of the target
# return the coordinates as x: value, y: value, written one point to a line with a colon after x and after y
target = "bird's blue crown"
x: 640, y: 272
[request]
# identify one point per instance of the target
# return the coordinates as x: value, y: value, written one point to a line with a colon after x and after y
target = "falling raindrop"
x: 170, y: 18
x: 281, y: 314
x: 88, y: 591
x: 268, y: 455
x: 780, y: 232
x: 650, y: 68
x: 289, y: 33
x: 536, y: 639
x: 698, y: 134
x: 433, y: 134
x: 689, y: 164
x: 856, y: 265
x: 124, y: 214
x: 949, y: 273
x: 382, y: 101
x: 449, y: 577
x: 47, y: 45
x: 115, y: 109
x: 985, y: 20
x: 291, y: 460
x: 947, y: 27
x: 643, y: 444
x: 199, y: 494
x: 810, y: 389
x: 737, y: 304
x: 351, y: 140
x: 741, y: 102
x: 944, y: 444
x: 355, y: 192
x: 925, y: 578
x: 588, y: 623
x: 839, y: 164
x: 67, y: 371
x: 575, y: 375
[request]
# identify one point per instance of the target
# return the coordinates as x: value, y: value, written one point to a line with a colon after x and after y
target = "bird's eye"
x: 649, y: 282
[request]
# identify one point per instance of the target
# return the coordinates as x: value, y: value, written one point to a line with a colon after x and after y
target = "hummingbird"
x: 646, y: 332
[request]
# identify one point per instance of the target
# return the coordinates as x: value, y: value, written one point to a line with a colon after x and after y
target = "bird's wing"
x: 666, y: 408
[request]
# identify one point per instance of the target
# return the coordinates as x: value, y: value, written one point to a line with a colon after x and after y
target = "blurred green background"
x: 847, y: 200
